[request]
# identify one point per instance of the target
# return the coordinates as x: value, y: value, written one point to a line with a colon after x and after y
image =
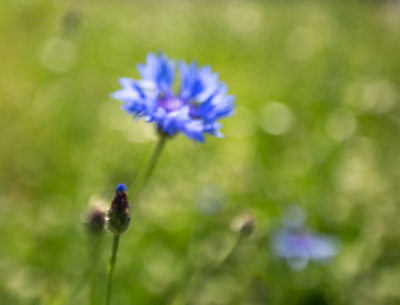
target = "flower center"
x: 171, y: 103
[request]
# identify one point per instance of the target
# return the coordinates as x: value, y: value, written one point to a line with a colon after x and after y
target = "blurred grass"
x: 330, y: 145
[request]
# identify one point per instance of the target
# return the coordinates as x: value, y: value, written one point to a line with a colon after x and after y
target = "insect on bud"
x: 245, y: 224
x: 118, y: 216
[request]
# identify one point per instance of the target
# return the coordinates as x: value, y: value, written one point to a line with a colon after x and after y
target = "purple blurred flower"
x: 193, y: 110
x: 299, y: 245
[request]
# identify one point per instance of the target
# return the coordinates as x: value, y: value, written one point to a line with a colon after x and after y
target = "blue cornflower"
x: 194, y: 109
x: 298, y: 245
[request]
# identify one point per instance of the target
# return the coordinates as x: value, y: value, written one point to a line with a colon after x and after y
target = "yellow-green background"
x: 330, y: 146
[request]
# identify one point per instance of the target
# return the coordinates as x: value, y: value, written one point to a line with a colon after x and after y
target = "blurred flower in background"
x: 299, y: 245
x: 194, y: 110
x: 94, y: 216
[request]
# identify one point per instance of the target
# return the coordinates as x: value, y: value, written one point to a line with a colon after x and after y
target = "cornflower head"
x: 298, y: 245
x: 301, y: 246
x: 194, y: 109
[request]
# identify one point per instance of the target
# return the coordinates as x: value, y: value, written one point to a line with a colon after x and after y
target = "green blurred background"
x: 317, y: 125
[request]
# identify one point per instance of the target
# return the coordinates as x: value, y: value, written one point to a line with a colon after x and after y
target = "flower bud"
x: 94, y: 217
x: 118, y: 216
x: 244, y: 224
x: 95, y: 222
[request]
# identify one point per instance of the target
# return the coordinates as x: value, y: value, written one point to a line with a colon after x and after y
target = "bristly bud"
x: 95, y: 222
x: 245, y: 224
x: 118, y: 216
x: 94, y: 218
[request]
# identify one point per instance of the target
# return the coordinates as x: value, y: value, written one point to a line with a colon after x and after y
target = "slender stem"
x: 153, y: 160
x: 94, y: 258
x: 238, y: 240
x: 200, y: 274
x: 146, y: 171
x: 111, y: 267
x: 220, y: 263
x: 88, y: 274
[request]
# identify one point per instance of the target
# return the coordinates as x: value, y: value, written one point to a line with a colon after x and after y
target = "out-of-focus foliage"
x: 317, y: 125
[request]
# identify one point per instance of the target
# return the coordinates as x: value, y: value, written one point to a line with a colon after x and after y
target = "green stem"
x: 89, y: 273
x: 200, y: 274
x: 238, y: 240
x: 145, y: 172
x: 94, y: 258
x: 111, y: 267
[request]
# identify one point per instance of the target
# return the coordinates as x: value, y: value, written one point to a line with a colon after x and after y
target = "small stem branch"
x: 145, y: 172
x: 111, y: 268
x: 197, y: 277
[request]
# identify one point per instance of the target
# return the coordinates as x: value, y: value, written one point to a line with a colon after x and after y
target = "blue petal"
x: 211, y: 90
x: 175, y: 121
x: 194, y: 130
x: 156, y: 116
x: 323, y: 247
x: 159, y: 70
x: 216, y: 106
x: 191, y: 84
x: 196, y: 82
x: 131, y: 95
x: 213, y: 128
